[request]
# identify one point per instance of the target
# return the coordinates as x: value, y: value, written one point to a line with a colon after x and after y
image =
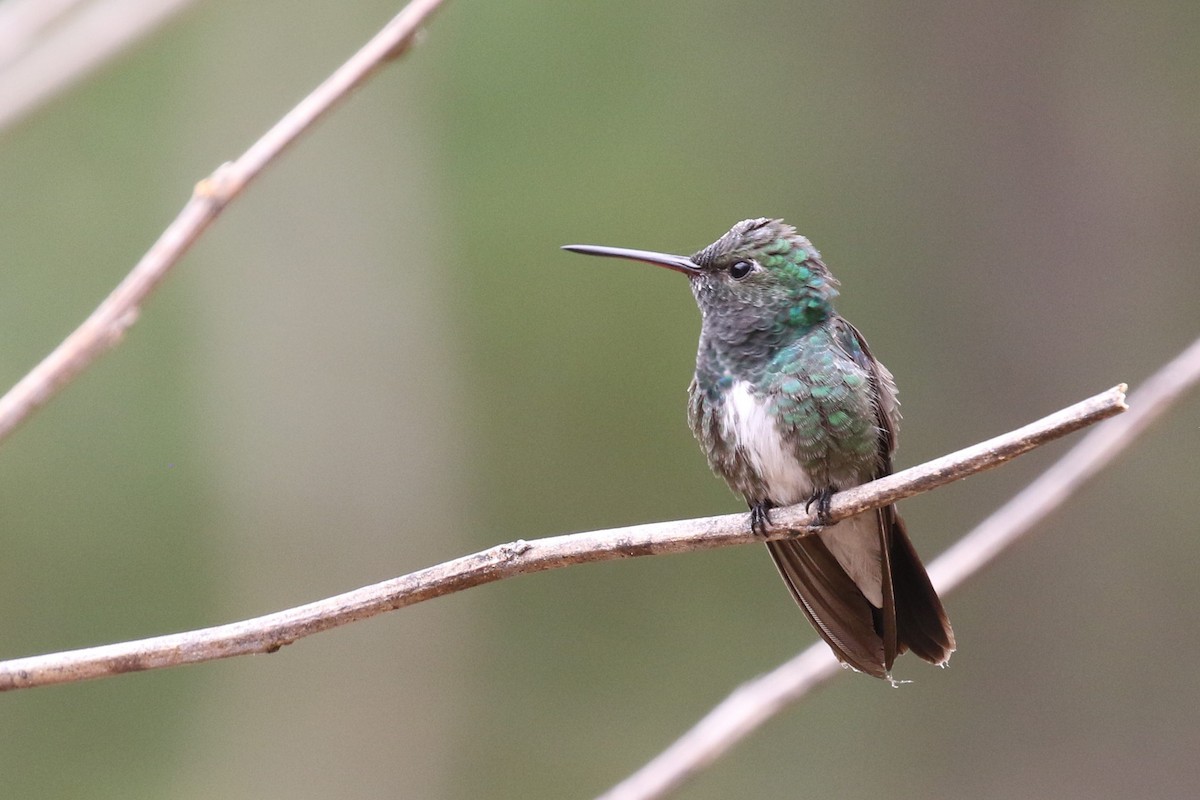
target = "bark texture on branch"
x: 269, y: 633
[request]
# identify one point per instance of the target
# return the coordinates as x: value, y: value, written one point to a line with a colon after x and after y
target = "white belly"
x: 853, y: 542
x: 748, y: 422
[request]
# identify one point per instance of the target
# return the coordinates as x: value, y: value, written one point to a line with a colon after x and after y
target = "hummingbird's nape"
x: 682, y: 264
x: 789, y: 405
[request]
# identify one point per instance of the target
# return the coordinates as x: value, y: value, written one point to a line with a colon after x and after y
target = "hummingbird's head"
x: 761, y: 271
x: 761, y: 264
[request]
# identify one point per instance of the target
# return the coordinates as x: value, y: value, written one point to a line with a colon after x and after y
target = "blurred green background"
x: 378, y: 360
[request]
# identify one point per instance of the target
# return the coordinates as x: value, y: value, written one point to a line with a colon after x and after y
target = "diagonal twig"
x: 268, y: 633
x: 756, y: 701
x: 108, y: 323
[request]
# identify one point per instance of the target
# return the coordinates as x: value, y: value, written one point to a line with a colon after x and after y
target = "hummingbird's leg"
x: 821, y: 497
x: 760, y: 516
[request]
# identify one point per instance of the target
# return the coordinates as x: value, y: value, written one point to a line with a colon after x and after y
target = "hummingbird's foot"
x: 760, y: 517
x: 821, y: 497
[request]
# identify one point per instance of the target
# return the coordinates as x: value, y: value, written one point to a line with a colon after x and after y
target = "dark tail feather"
x: 856, y: 630
x: 921, y: 622
x: 832, y: 602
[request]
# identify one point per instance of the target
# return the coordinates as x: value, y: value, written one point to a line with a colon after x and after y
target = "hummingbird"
x: 789, y: 406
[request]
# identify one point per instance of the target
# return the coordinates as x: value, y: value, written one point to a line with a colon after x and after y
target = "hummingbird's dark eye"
x: 740, y: 269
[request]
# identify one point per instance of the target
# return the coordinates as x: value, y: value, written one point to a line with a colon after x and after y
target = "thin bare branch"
x: 108, y: 323
x: 756, y: 701
x: 269, y: 633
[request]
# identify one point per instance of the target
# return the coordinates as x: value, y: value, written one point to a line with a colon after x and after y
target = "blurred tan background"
x: 378, y: 360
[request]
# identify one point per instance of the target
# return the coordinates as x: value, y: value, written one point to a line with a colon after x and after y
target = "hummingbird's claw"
x: 760, y: 517
x: 822, y: 497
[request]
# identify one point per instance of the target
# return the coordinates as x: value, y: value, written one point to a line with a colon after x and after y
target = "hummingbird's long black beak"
x: 678, y: 263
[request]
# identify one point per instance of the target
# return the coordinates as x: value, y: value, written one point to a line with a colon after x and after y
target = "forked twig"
x: 108, y: 323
